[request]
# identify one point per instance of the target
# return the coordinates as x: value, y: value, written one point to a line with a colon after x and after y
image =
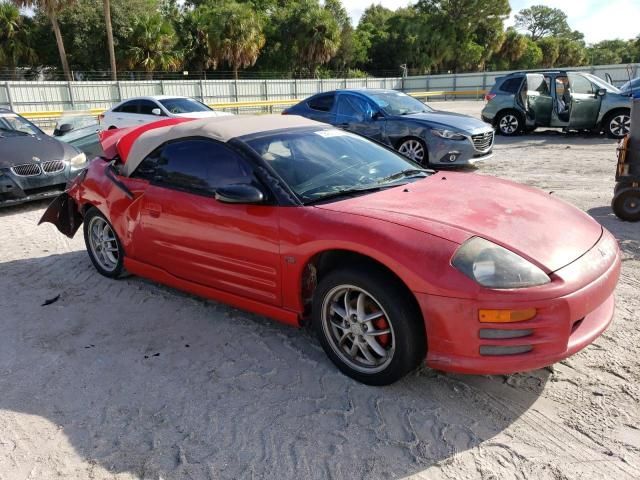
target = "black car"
x: 33, y: 165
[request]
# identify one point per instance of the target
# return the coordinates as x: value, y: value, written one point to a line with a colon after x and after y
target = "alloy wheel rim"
x: 358, y: 329
x: 103, y: 243
x: 620, y: 125
x: 508, y: 124
x: 412, y: 149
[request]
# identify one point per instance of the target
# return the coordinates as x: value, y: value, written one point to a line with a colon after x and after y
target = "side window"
x: 352, y: 107
x: 579, y: 84
x: 322, y: 103
x: 511, y: 85
x: 128, y: 107
x: 200, y: 166
x: 147, y: 168
x: 146, y: 106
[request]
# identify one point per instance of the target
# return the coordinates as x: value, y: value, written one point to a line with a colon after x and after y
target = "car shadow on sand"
x: 147, y: 380
x: 552, y: 137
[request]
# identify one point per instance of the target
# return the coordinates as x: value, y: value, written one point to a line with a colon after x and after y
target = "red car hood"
x: 456, y: 206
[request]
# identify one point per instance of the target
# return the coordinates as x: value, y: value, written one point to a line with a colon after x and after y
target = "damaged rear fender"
x: 64, y: 214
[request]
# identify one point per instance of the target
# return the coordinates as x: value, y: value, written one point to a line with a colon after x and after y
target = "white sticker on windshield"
x: 331, y: 133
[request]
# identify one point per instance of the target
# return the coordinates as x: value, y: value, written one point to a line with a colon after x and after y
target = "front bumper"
x: 562, y: 326
x: 16, y: 189
x: 454, y: 153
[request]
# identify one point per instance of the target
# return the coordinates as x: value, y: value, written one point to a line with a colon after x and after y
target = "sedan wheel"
x: 509, y: 124
x: 415, y: 150
x: 619, y: 125
x: 103, y: 245
x: 368, y: 325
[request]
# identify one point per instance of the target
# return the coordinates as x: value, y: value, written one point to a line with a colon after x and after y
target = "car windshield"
x: 183, y: 105
x: 326, y: 163
x: 14, y: 125
x: 398, y: 103
x: 602, y: 84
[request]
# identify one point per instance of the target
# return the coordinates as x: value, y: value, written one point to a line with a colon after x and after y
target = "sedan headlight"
x: 493, y: 266
x: 448, y: 134
x: 79, y: 160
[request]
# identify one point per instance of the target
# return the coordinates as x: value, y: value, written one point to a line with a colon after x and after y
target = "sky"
x: 597, y: 19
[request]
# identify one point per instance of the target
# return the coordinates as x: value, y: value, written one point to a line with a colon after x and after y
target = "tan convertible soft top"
x: 219, y: 128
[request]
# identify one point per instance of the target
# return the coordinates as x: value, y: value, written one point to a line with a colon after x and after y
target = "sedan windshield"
x: 398, y: 103
x: 184, y: 105
x: 329, y: 163
x: 14, y: 125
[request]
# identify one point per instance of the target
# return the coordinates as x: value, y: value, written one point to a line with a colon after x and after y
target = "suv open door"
x: 539, y: 103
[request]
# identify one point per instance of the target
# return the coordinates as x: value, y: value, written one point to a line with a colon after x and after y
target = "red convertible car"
x: 297, y: 220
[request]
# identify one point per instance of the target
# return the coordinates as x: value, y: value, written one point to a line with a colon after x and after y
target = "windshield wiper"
x: 345, y: 193
x: 411, y: 172
x: 11, y: 130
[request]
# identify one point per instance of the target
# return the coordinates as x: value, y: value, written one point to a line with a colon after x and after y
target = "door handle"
x: 154, y: 209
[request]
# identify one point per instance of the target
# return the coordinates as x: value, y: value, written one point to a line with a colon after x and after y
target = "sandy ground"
x: 127, y: 379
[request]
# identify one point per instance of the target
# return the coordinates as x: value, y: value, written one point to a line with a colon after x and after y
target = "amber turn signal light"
x: 505, y: 316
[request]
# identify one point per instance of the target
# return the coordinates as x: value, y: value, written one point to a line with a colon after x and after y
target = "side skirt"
x: 157, y: 274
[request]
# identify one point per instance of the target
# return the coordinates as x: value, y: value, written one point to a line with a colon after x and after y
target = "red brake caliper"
x: 382, y: 324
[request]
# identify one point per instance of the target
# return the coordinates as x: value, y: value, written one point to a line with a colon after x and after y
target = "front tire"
x: 367, y: 325
x: 103, y: 245
x: 617, y: 124
x: 414, y: 149
x: 509, y: 123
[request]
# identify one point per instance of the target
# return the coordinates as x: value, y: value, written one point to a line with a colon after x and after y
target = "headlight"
x: 448, y: 134
x: 79, y: 160
x: 495, y: 267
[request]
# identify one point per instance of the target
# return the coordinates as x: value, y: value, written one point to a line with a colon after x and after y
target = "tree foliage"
x: 542, y: 21
x: 295, y: 37
x: 234, y: 35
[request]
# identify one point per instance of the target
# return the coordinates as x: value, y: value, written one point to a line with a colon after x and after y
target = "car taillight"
x: 284, y: 112
x: 489, y: 96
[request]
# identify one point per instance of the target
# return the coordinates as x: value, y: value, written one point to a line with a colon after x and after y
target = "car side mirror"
x: 156, y: 111
x: 239, y: 193
x: 377, y: 115
x: 62, y: 129
x: 601, y: 92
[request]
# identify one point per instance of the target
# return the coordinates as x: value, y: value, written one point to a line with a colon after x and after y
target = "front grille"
x: 483, y: 141
x: 27, y: 170
x: 53, y: 167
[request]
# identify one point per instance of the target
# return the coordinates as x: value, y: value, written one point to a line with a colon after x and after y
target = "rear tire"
x: 351, y: 307
x: 626, y: 204
x: 617, y: 123
x: 103, y: 245
x: 509, y: 123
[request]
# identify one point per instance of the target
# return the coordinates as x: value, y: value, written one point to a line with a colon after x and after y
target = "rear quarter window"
x: 322, y: 103
x: 511, y: 85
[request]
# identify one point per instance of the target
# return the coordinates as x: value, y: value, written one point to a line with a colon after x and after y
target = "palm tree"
x: 15, y: 45
x: 316, y: 35
x: 235, y: 35
x: 151, y: 45
x: 112, y: 53
x: 51, y: 8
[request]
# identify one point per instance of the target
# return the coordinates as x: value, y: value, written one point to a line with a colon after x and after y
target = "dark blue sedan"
x: 427, y: 136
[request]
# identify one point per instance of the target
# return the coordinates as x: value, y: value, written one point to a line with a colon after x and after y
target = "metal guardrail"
x: 94, y: 112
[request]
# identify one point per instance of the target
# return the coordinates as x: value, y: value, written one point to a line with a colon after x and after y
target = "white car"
x: 139, y: 110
